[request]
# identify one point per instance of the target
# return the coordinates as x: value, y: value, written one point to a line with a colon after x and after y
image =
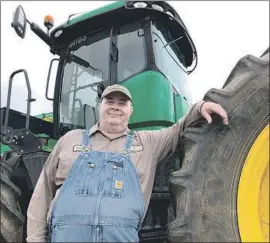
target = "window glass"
x: 130, y: 43
x: 168, y: 59
x: 87, y: 67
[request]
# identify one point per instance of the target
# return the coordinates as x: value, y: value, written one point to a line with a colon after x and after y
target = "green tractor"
x: 214, y: 188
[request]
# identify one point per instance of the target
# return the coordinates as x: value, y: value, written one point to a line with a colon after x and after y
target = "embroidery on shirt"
x: 136, y: 148
x: 82, y: 148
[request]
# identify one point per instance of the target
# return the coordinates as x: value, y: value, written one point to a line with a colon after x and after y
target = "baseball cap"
x: 116, y: 88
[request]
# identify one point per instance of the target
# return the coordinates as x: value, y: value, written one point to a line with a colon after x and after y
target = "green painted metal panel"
x: 46, y: 116
x: 182, y: 106
x: 152, y: 97
x: 4, y: 148
x: 153, y: 100
x: 95, y: 12
x: 50, y: 146
x: 147, y: 128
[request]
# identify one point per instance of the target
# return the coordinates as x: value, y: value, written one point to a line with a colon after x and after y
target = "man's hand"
x: 208, y: 108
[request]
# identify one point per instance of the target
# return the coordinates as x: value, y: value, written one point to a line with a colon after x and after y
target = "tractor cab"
x: 144, y: 46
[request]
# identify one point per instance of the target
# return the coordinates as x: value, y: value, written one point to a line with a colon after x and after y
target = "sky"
x: 223, y: 32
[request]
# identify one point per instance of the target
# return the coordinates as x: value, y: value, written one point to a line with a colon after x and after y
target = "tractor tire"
x: 221, y: 192
x: 12, y: 219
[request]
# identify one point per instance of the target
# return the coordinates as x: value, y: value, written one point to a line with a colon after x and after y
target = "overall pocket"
x: 72, y: 233
x: 84, y: 183
x: 114, y: 184
x: 119, y: 234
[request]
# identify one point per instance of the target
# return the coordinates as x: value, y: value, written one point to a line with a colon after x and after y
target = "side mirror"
x: 19, y: 21
x: 51, y: 75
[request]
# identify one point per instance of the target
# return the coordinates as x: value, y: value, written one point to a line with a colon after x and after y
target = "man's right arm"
x: 42, y: 197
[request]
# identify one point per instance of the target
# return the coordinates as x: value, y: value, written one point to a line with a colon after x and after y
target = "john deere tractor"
x: 215, y: 188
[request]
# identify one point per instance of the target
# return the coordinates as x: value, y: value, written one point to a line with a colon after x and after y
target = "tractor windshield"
x: 103, y: 57
x: 86, y: 67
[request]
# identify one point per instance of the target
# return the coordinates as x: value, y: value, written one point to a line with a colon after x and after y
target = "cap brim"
x: 116, y: 91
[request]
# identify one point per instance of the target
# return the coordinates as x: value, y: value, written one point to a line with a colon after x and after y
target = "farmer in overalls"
x: 96, y: 184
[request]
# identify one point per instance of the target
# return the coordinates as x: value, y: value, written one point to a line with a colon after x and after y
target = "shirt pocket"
x: 115, y: 173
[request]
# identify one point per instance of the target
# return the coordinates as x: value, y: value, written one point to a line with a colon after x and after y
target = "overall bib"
x: 100, y: 200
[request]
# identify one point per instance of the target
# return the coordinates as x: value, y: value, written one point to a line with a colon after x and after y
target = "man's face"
x: 115, y: 109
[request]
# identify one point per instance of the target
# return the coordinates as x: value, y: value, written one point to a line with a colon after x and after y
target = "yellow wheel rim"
x: 253, y: 192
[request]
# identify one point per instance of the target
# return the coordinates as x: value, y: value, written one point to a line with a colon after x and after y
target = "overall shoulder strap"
x: 129, y: 140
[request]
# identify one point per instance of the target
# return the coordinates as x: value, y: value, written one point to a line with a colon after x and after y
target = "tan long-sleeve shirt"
x: 148, y: 148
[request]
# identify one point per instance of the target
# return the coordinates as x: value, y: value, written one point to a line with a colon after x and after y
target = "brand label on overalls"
x: 118, y: 184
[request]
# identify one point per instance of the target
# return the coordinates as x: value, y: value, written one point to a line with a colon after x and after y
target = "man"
x: 96, y: 185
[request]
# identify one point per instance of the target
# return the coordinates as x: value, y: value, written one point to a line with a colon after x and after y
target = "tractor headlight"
x: 170, y: 13
x: 157, y: 7
x: 58, y: 33
x: 140, y: 5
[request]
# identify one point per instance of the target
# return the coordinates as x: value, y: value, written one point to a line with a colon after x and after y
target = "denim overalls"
x: 100, y: 200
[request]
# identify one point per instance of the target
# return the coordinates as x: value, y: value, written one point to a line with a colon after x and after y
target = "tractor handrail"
x: 29, y: 98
